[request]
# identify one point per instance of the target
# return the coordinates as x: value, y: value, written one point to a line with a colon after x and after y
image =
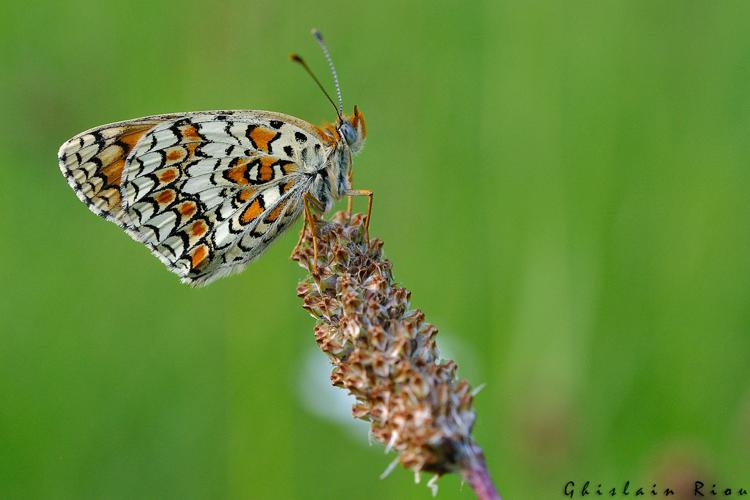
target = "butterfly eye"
x: 350, y: 135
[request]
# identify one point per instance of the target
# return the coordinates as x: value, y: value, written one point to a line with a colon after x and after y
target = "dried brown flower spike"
x: 385, y: 354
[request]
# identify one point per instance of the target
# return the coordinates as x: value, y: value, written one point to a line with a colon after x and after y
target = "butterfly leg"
x: 363, y: 192
x: 301, y: 235
x: 311, y: 203
x: 350, y: 197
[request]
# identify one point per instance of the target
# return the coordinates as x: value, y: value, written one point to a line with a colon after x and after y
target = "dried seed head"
x: 384, y: 352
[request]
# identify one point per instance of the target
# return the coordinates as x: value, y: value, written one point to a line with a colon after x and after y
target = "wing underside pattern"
x: 205, y: 192
x: 93, y: 163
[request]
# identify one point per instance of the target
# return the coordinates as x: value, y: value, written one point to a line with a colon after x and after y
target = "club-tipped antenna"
x: 319, y: 37
x: 296, y: 58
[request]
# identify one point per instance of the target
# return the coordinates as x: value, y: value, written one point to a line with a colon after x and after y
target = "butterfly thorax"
x: 331, y: 181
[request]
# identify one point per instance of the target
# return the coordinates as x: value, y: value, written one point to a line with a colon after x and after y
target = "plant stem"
x: 474, y: 471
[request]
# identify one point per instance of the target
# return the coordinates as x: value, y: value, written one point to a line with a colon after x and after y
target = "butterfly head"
x: 351, y: 128
x: 354, y: 130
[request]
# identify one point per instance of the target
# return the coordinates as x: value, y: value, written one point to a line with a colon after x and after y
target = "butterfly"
x: 207, y: 192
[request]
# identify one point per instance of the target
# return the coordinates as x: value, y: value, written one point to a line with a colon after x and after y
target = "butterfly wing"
x: 207, y: 192
x: 93, y: 161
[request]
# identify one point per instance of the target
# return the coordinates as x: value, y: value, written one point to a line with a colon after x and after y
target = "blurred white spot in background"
x: 320, y: 398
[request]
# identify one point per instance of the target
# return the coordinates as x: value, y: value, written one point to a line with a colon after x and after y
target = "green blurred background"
x: 562, y: 185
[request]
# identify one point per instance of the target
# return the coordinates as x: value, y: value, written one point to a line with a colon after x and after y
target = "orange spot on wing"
x: 175, y: 154
x: 246, y: 194
x: 198, y: 256
x: 251, y: 213
x: 265, y: 172
x: 190, y: 133
x: 198, y: 228
x: 238, y: 173
x: 165, y: 197
x: 168, y: 176
x: 187, y: 209
x: 191, y: 147
x: 261, y: 137
x: 276, y: 212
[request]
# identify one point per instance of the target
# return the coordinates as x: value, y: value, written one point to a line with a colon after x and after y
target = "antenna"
x: 323, y: 47
x: 296, y: 58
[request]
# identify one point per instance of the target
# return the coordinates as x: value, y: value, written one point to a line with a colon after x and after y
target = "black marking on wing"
x: 270, y: 147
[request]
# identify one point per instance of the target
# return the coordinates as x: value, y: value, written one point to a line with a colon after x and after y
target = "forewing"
x: 93, y: 163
